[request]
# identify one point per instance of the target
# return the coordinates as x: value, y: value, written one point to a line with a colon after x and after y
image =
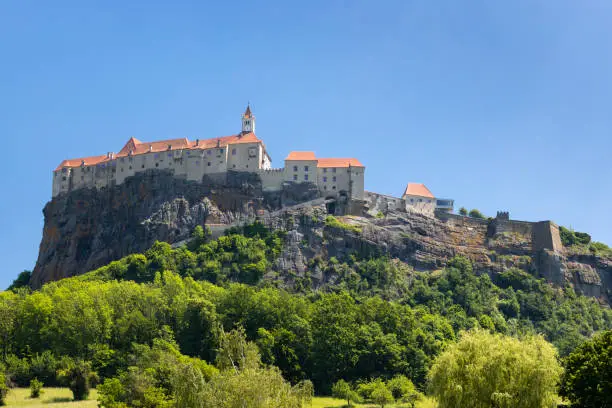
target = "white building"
x: 194, y: 159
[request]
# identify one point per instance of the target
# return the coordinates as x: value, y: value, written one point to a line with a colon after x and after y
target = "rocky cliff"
x: 89, y: 228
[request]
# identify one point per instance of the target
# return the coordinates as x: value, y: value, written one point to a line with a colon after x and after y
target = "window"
x: 208, y: 164
x: 156, y: 164
x: 305, y: 168
x: 294, y: 168
x: 64, y: 178
x: 122, y: 160
x: 294, y: 177
x: 412, y: 200
x: 121, y: 169
x: 234, y: 151
x: 233, y: 166
x: 130, y: 167
x: 197, y: 162
x: 334, y: 170
x: 334, y: 187
x: 169, y: 154
x: 209, y: 152
x: 306, y: 177
x: 325, y: 179
x: 420, y: 200
x: 156, y: 155
x: 324, y: 187
x: 324, y: 170
x: 142, y: 167
x: 334, y: 178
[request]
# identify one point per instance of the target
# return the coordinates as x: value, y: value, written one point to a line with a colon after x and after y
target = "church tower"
x: 248, y: 121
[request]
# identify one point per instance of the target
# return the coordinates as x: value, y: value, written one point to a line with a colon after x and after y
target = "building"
x: 243, y: 152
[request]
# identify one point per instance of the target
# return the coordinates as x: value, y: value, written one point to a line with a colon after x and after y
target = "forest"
x: 178, y: 326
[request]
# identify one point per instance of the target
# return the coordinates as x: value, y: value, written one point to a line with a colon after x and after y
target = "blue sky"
x: 499, y: 105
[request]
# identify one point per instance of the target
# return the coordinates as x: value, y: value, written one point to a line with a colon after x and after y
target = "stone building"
x: 243, y: 152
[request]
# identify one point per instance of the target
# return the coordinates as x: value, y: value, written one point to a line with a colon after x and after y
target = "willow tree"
x: 486, y: 370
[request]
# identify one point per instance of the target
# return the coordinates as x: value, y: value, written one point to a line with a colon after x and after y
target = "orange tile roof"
x: 301, y: 156
x: 89, y: 161
x: 418, y: 189
x: 339, y: 162
x: 137, y: 147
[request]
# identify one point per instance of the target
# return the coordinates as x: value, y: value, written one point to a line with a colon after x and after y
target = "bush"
x: 333, y: 222
x: 343, y: 390
x: 463, y: 211
x: 474, y: 213
x: 570, y: 237
x: 35, y: 388
x: 77, y: 375
x: 3, y: 389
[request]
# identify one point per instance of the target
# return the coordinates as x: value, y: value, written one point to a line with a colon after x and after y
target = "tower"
x: 248, y: 121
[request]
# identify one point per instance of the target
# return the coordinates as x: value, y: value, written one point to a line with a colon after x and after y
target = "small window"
x: 334, y: 187
x: 64, y: 178
x: 324, y: 170
x: 130, y: 167
x: 412, y: 200
x: 324, y: 187
x: 294, y: 177
x: 169, y: 154
x: 121, y: 169
x: 208, y: 164
x: 82, y: 178
x: 325, y: 179
x: 420, y: 200
x: 221, y: 151
x: 142, y: 166
x: 305, y: 168
x: 334, y: 178
x: 156, y: 164
x: 233, y: 166
x: 122, y: 160
x: 306, y: 177
x: 334, y: 170
x: 209, y: 152
x: 156, y: 155
x: 233, y: 151
x: 197, y: 162
x: 294, y: 168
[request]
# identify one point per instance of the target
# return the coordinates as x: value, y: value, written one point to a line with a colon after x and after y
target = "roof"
x: 89, y: 161
x: 418, y: 189
x: 339, y: 162
x: 247, y: 112
x: 135, y: 147
x: 301, y: 156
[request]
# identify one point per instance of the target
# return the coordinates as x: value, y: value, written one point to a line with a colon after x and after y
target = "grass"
x: 327, y: 402
x: 50, y: 398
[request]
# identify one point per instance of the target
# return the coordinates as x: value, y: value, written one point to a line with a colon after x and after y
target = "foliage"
x: 35, y: 388
x: 22, y: 281
x: 587, y: 380
x: 380, y: 214
x: 3, y: 388
x: 474, y: 213
x: 463, y: 211
x: 343, y: 390
x: 78, y: 376
x: 381, y: 395
x: 333, y: 222
x: 484, y: 370
x: 570, y: 237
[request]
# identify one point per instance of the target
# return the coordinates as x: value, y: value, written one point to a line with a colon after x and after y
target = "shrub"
x: 380, y: 214
x: 343, y: 390
x: 3, y: 389
x: 463, y: 211
x: 35, y: 388
x: 333, y: 222
x: 474, y: 213
x: 77, y: 375
x: 570, y: 237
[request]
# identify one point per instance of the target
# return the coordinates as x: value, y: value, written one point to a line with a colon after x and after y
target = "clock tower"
x: 248, y: 121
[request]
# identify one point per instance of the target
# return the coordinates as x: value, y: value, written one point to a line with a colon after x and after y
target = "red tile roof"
x: 136, y: 147
x: 89, y: 161
x: 301, y: 156
x: 418, y: 189
x: 339, y: 162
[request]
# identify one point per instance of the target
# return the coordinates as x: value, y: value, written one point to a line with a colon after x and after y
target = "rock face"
x: 89, y: 228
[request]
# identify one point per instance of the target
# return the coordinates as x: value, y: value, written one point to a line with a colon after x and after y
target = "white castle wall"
x: 272, y: 179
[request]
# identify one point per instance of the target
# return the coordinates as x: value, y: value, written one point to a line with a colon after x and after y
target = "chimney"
x: 197, y: 142
x: 150, y: 148
x: 82, y: 163
x: 169, y: 147
x: 218, y: 143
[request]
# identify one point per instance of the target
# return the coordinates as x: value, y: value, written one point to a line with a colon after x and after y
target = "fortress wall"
x: 272, y: 179
x: 460, y: 219
x: 545, y: 235
x: 518, y: 227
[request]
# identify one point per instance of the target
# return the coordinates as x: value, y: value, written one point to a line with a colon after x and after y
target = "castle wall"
x: 272, y: 179
x: 420, y: 204
x: 545, y: 235
x: 383, y: 203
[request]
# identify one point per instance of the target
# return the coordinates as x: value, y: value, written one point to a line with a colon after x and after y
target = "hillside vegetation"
x: 178, y: 306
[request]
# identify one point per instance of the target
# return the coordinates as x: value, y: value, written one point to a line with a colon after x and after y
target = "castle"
x: 242, y: 152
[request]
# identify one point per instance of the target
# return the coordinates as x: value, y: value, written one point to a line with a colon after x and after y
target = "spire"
x: 247, y: 112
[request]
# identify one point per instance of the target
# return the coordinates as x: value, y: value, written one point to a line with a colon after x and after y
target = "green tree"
x: 22, y: 281
x: 587, y: 380
x: 381, y: 395
x: 78, y: 376
x: 483, y: 368
x: 343, y: 390
x: 4, y: 389
x: 463, y: 211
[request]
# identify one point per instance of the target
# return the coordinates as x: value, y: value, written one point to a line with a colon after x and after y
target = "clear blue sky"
x: 499, y: 105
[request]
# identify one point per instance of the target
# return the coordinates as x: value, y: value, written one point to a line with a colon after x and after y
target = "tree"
x: 35, y: 388
x: 78, y: 376
x: 4, y: 389
x: 381, y: 395
x: 463, y: 211
x: 343, y: 390
x: 587, y: 380
x: 403, y: 389
x: 484, y: 369
x: 474, y: 213
x: 22, y: 281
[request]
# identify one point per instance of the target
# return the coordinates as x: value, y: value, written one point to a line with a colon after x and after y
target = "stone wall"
x: 546, y: 236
